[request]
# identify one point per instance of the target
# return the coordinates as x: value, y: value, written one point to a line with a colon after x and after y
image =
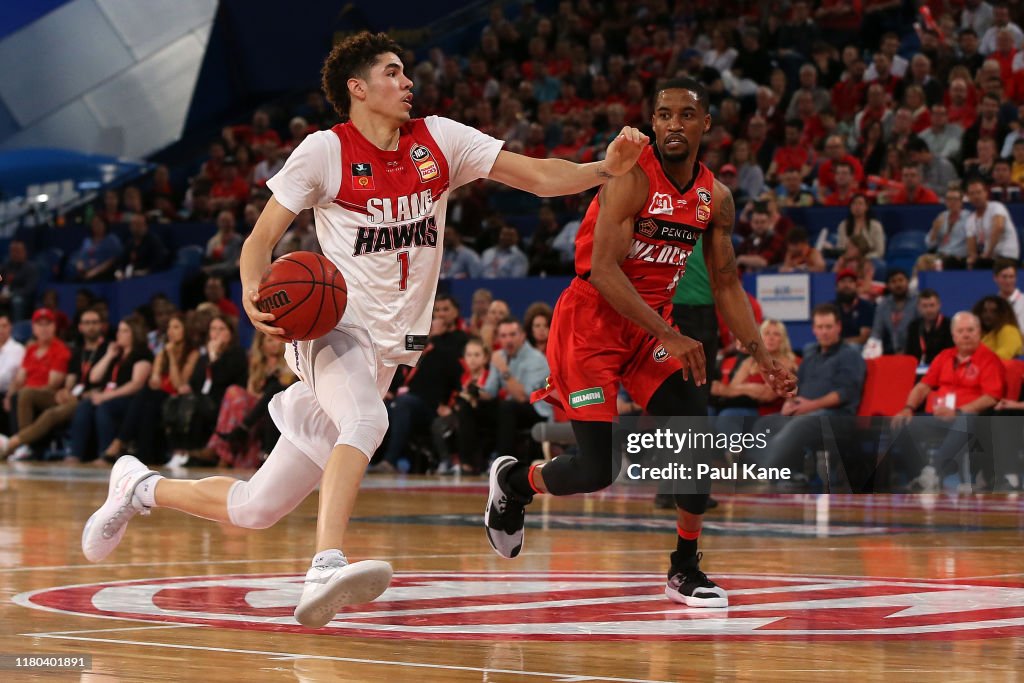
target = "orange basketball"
x: 306, y: 294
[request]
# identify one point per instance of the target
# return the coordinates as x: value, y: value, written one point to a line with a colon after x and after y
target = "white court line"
x: 631, y: 551
x: 354, y: 660
x: 107, y: 630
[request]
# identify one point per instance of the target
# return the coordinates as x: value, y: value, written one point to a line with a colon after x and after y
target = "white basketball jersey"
x: 380, y: 218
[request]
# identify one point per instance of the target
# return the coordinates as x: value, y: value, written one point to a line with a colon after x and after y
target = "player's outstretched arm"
x: 621, y: 200
x: 730, y: 298
x: 555, y: 177
x: 256, y: 252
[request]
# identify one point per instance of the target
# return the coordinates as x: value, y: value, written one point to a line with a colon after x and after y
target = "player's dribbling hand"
x: 690, y: 353
x: 781, y: 380
x: 261, y: 321
x: 624, y: 150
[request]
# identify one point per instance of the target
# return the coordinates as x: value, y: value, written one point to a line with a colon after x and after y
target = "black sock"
x: 519, y: 481
x: 685, y: 554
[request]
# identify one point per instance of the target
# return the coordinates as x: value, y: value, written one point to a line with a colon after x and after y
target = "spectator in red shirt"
x: 914, y: 100
x: 960, y: 103
x: 211, y: 169
x: 215, y: 294
x: 257, y: 136
x: 231, y: 191
x: 848, y: 93
x: 886, y: 79
x: 43, y: 367
x: 876, y: 109
x: 845, y: 186
x: 762, y: 247
x: 793, y: 155
x: 913, y: 191
x: 962, y: 382
x: 835, y: 152
x: 767, y: 108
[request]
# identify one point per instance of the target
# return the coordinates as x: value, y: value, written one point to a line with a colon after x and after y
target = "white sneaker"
x: 107, y: 525
x: 328, y: 589
x: 927, y: 482
x: 22, y: 452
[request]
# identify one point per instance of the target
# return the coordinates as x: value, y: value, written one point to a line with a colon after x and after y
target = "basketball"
x: 306, y: 294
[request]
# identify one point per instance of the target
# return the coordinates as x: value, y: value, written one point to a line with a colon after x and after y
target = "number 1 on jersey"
x: 403, y: 264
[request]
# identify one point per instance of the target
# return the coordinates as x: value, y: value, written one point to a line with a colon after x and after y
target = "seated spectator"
x: 119, y: 376
x: 141, y: 428
x: 912, y: 191
x: 942, y: 137
x: 231, y: 192
x: 505, y: 259
x: 962, y: 382
x: 894, y: 312
x: 224, y: 248
x: 937, y: 173
x: 51, y: 300
x: 999, y: 328
x: 835, y: 154
x: 792, y: 192
x: 211, y: 168
x: 914, y: 102
x: 12, y: 352
x: 245, y: 433
x: 854, y: 258
x: 800, y: 255
x: 948, y: 235
x: 537, y: 322
x: 97, y: 258
x: 792, y: 155
x: 43, y: 367
x: 419, y: 399
x: 269, y: 166
x: 259, y: 135
x: 871, y: 149
x: 830, y: 381
x: 762, y: 247
x: 475, y: 363
x: 497, y: 311
x: 144, y: 252
x: 216, y: 295
x: 479, y: 306
x: 517, y: 370
x: 750, y: 177
x: 301, y: 236
x: 458, y: 261
x: 565, y: 242
x: 930, y: 333
x: 20, y: 280
x: 221, y: 364
x: 844, y: 186
x: 730, y: 178
x: 988, y: 125
x: 856, y: 313
x: 991, y: 233
x: 543, y: 258
x: 41, y: 410
x: 1003, y: 188
x: 1000, y: 22
x: 861, y: 221
x: 755, y: 396
x: 1004, y: 273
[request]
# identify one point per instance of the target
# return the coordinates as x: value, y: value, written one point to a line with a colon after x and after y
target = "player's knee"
x: 694, y: 503
x: 249, y: 513
x: 366, y: 429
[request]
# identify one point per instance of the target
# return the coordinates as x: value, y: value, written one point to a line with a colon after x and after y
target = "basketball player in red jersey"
x: 378, y: 186
x: 613, y: 324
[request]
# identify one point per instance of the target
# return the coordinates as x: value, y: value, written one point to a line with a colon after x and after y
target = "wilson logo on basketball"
x: 572, y: 606
x: 273, y: 301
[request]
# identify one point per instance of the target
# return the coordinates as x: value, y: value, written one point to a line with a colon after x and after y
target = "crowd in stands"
x: 814, y: 103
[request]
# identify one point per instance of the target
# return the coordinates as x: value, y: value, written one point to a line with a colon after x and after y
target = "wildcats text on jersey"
x: 658, y: 253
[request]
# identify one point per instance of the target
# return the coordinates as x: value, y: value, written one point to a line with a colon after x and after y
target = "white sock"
x: 146, y: 490
x: 329, y: 558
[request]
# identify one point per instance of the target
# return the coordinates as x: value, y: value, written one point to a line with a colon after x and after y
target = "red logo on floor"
x: 571, y: 605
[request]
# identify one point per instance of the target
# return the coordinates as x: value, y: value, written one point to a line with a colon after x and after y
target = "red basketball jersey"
x: 664, y: 232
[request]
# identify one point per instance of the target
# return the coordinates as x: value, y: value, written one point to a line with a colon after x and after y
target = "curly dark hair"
x: 350, y: 58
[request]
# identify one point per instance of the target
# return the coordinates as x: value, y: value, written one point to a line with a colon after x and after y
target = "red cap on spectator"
x: 846, y: 272
x: 727, y: 168
x: 43, y: 314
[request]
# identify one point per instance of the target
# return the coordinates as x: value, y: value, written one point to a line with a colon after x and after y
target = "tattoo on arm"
x: 752, y: 347
x: 724, y: 225
x: 601, y: 173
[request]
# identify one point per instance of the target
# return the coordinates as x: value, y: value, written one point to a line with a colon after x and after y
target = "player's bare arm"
x: 621, y: 200
x: 730, y: 299
x: 555, y: 177
x: 256, y: 252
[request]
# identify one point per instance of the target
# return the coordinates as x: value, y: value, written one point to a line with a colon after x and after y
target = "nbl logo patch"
x: 704, y: 195
x: 426, y: 167
x: 362, y: 177
x: 660, y: 354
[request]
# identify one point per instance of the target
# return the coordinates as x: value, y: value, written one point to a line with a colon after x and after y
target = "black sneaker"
x: 689, y: 586
x: 505, y: 515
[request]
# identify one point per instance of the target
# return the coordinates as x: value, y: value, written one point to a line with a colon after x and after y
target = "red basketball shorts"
x: 592, y: 349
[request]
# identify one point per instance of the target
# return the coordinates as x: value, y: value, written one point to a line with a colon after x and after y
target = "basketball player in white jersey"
x: 378, y: 186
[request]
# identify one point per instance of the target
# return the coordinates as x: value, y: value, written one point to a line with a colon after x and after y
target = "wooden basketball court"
x: 821, y: 588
